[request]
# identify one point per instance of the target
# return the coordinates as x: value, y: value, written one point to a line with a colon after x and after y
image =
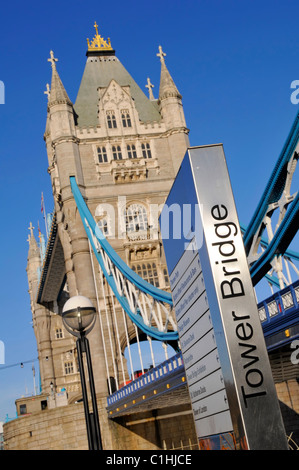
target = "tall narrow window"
x: 116, y: 152
x: 166, y: 278
x: 125, y: 117
x: 102, y: 155
x: 146, y: 151
x: 111, y: 120
x: 131, y: 149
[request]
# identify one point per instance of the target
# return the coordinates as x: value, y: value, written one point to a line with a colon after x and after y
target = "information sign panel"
x: 226, y: 361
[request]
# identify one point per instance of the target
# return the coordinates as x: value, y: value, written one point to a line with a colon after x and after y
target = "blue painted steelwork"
x: 275, y: 184
x: 279, y: 316
x: 8, y: 419
x: 97, y: 240
x: 272, y: 251
x: 283, y: 236
x: 272, y: 198
x: 150, y: 385
x: 96, y: 237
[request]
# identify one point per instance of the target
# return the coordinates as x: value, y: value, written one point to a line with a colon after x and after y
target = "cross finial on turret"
x: 149, y: 86
x: 52, y: 60
x: 161, y: 54
x: 47, y: 92
x: 31, y: 228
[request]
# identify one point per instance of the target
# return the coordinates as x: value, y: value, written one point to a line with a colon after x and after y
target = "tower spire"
x: 33, y: 246
x: 57, y: 93
x: 167, y: 85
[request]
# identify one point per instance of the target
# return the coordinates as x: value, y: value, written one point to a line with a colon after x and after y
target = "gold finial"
x: 99, y: 43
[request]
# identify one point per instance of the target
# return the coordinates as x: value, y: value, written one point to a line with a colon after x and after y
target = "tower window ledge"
x: 133, y: 163
x: 127, y: 175
x: 129, y: 163
x: 147, y: 243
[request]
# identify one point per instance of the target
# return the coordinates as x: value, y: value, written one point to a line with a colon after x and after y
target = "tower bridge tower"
x: 124, y: 149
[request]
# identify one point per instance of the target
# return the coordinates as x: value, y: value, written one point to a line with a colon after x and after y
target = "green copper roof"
x: 99, y: 71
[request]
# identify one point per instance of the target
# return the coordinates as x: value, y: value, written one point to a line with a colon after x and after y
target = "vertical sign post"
x: 229, y: 377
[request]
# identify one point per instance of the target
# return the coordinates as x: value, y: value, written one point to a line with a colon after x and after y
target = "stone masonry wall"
x: 64, y: 428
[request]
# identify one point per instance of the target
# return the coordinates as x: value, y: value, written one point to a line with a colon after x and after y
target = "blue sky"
x: 232, y: 61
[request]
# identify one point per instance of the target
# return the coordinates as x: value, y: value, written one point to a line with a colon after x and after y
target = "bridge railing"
x: 166, y: 377
x: 279, y: 316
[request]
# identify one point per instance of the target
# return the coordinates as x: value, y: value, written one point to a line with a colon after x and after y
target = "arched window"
x: 136, y: 218
x: 116, y: 152
x: 148, y: 272
x: 131, y: 149
x: 146, y: 150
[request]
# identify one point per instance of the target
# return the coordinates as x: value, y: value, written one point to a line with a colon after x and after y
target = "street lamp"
x: 79, y: 317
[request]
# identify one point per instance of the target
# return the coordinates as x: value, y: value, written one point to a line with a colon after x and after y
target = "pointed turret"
x: 170, y: 100
x: 171, y: 109
x: 167, y: 86
x: 33, y: 262
x: 57, y: 94
x: 60, y: 135
x: 34, y: 251
x: 40, y: 314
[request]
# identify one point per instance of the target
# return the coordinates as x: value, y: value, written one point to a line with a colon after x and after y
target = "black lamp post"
x: 79, y: 318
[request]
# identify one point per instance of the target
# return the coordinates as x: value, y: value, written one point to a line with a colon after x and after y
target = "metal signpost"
x: 229, y: 377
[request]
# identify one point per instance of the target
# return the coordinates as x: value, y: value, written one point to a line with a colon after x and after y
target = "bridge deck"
x: 164, y: 385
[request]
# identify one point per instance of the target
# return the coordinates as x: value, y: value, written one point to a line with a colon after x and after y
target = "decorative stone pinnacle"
x: 52, y: 60
x: 149, y: 86
x: 47, y: 92
x: 31, y: 228
x: 161, y: 54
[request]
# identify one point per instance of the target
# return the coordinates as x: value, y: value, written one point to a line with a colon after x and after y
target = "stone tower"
x: 124, y: 149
